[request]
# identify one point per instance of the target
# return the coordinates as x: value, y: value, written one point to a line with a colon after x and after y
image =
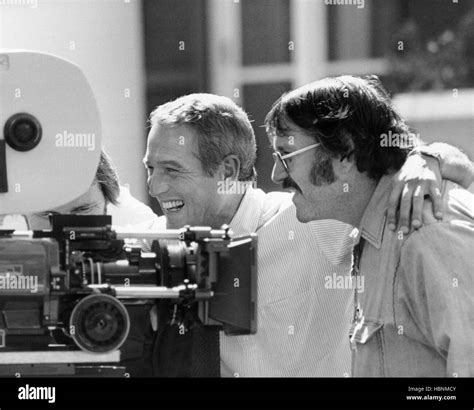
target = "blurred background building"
x: 139, y: 54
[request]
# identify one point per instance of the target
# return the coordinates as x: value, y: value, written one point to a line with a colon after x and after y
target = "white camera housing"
x: 63, y: 163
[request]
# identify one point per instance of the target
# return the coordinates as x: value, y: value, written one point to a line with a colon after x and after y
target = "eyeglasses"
x: 282, y: 158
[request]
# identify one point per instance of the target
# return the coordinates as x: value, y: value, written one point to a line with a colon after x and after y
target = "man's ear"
x: 231, y: 167
x: 343, y: 166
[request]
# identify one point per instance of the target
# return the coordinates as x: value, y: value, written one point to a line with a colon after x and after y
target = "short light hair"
x: 223, y: 128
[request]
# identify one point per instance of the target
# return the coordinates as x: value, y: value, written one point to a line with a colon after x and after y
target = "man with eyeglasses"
x: 282, y: 158
x: 195, y: 143
x: 413, y: 314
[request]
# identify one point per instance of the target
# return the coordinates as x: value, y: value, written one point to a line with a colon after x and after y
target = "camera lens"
x: 22, y: 132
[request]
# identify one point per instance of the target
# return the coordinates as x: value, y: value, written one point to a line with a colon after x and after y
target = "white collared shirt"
x: 302, y: 323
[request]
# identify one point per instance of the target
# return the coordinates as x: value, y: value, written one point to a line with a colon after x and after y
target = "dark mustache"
x: 289, y: 183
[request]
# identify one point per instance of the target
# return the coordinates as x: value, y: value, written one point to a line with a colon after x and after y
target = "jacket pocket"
x: 365, y: 332
x: 367, y: 349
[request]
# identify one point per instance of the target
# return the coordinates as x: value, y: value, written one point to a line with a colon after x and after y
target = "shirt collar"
x: 246, y: 218
x: 373, y: 221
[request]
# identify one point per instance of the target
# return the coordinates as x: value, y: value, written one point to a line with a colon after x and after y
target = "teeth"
x: 172, y: 204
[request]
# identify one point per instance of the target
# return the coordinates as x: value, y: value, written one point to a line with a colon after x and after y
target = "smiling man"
x: 414, y: 316
x: 184, y: 169
x: 196, y: 143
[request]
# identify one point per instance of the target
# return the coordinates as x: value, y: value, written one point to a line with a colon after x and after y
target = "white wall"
x: 444, y: 116
x: 103, y: 37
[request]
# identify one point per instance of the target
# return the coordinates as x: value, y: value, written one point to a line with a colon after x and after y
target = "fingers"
x: 408, y: 194
x: 411, y: 202
x: 405, y: 208
x: 417, y: 206
x: 435, y: 195
x: 393, y: 202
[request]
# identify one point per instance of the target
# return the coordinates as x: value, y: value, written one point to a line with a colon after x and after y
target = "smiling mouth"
x: 172, y: 206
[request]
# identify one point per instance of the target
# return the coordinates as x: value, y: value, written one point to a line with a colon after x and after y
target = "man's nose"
x: 156, y: 185
x: 278, y: 173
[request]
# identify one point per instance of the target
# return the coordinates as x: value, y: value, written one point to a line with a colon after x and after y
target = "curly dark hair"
x: 348, y: 116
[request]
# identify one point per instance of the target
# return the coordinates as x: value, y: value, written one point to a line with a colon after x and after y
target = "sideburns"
x: 322, y: 172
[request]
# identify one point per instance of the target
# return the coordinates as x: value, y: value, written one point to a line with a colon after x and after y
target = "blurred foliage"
x: 444, y: 62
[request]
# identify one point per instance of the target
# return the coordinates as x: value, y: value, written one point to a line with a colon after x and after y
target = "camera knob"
x: 22, y: 132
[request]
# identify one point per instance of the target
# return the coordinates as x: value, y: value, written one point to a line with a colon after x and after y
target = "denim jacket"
x: 416, y: 316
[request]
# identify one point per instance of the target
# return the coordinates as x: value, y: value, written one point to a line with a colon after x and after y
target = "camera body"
x: 66, y: 286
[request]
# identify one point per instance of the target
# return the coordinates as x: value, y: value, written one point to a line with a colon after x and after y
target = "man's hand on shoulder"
x: 419, y: 176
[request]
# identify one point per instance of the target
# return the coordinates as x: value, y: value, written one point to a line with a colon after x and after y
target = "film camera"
x: 63, y: 289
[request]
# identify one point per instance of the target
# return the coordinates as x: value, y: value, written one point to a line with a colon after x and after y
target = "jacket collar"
x: 373, y: 221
